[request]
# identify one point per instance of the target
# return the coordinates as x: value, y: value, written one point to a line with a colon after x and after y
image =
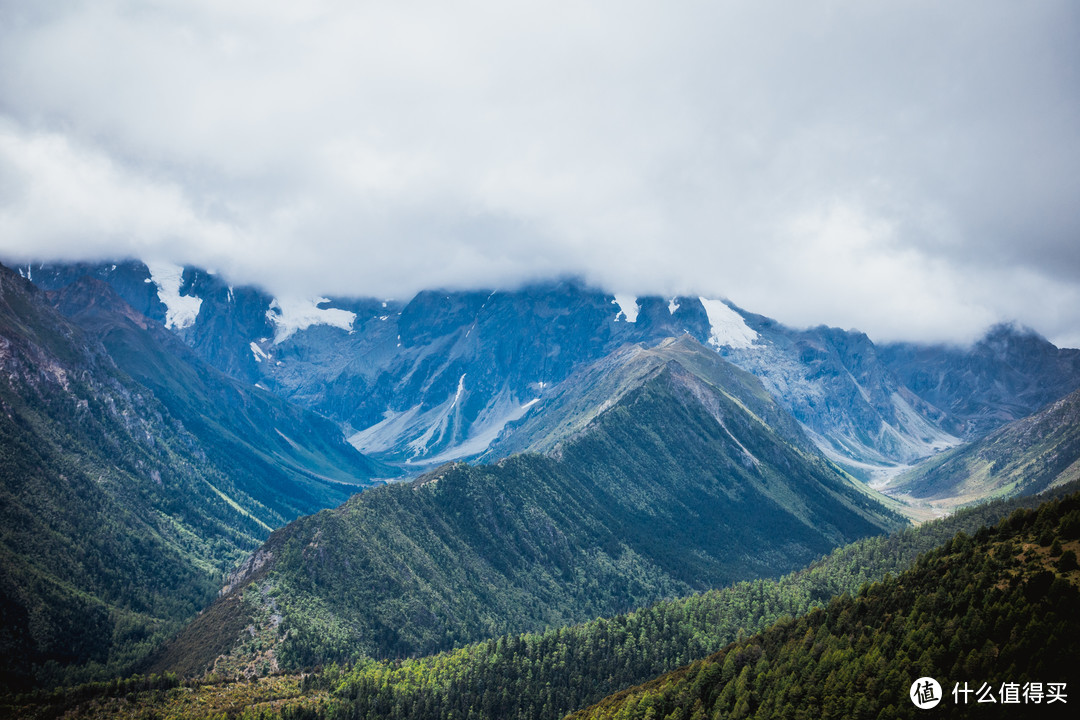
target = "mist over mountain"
x: 439, y: 377
x: 508, y: 353
x: 606, y: 430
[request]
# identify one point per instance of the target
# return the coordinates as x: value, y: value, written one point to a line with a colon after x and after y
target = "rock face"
x: 835, y: 383
x: 441, y: 376
x: 1010, y: 373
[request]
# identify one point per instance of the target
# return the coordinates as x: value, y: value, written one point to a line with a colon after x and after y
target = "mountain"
x: 1008, y: 374
x: 834, y: 382
x: 416, y: 383
x: 954, y: 617
x: 439, y: 377
x: 571, y: 405
x: 675, y: 486
x: 1022, y: 458
x: 132, y: 480
x: 294, y: 461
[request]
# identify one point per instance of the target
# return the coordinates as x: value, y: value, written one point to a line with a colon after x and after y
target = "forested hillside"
x: 981, y: 613
x: 122, y: 505
x: 543, y: 676
x: 675, y: 488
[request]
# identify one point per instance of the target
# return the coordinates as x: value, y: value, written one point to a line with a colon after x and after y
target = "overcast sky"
x: 911, y: 169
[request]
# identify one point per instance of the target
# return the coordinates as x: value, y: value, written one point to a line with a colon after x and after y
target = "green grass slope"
x: 1023, y: 457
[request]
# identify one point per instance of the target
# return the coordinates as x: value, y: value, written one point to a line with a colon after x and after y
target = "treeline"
x: 992, y: 615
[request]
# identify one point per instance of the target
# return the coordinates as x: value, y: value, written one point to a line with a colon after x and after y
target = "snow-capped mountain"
x: 440, y: 377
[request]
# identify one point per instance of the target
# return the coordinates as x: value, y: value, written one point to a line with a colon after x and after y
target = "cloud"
x: 62, y: 199
x: 901, y: 167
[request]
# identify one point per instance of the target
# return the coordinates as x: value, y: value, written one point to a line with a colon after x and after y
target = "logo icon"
x: 925, y: 693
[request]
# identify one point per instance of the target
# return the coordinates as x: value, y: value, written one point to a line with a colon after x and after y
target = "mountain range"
x: 1026, y: 456
x: 676, y: 484
x: 440, y: 377
x: 168, y: 435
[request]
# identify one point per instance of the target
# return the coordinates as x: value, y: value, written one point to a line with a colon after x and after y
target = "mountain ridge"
x: 1025, y: 456
x: 438, y: 377
x: 658, y: 496
x: 119, y: 512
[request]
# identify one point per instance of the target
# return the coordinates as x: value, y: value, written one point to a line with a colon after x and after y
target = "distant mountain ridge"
x: 836, y: 384
x: 1025, y: 457
x: 441, y: 376
x: 1008, y: 374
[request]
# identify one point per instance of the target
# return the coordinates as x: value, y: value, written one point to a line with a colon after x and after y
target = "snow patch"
x: 258, y: 352
x: 628, y: 307
x: 180, y: 310
x: 384, y: 434
x: 460, y: 389
x: 441, y: 423
x: 290, y: 315
x: 430, y: 430
x: 488, y: 427
x: 727, y: 328
x: 673, y: 305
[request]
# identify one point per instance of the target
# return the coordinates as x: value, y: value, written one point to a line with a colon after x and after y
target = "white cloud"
x: 906, y: 154
x: 57, y: 198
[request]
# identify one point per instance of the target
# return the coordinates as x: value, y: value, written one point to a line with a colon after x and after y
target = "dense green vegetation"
x: 544, y: 676
x: 993, y: 609
x: 118, y: 517
x: 657, y: 499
